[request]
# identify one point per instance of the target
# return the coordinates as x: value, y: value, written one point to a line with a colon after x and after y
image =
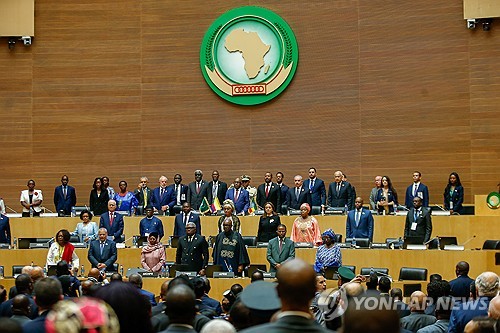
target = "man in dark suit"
x: 48, y: 292
x: 64, y: 197
x: 239, y: 196
x: 284, y: 188
x: 102, y: 252
x: 180, y: 193
x: 280, y: 249
x: 340, y: 192
x: 112, y: 222
x: 163, y: 197
x: 417, y: 189
x: 316, y: 188
x: 192, y: 250
x: 269, y: 192
x: 295, y: 316
x: 136, y: 280
x: 197, y: 190
x: 418, y: 221
x: 143, y: 195
x: 417, y: 318
x: 359, y: 222
x: 216, y: 189
x: 24, y: 286
x: 460, y: 287
x: 298, y: 195
x: 182, y: 219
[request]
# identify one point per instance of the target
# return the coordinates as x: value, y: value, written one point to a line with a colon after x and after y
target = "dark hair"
x: 199, y: 287
x: 116, y: 277
x: 48, y: 292
x: 272, y: 206
x: 391, y: 188
x: 62, y: 268
x: 86, y: 211
x: 281, y: 173
x: 129, y: 305
x: 372, y: 283
x: 122, y: 181
x: 419, y: 174
x: 154, y: 234
x: 312, y: 168
x: 94, y: 186
x: 66, y: 235
x: 23, y: 284
x: 236, y: 289
x: 435, y: 277
x: 448, y: 186
x: 384, y: 284
x: 29, y: 181
x: 396, y: 293
x: 181, y: 304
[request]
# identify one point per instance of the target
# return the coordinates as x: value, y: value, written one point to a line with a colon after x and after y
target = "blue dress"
x: 327, y: 257
x: 125, y: 203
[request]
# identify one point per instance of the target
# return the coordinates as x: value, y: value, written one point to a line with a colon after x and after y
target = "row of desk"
x: 469, y: 229
x: 436, y: 261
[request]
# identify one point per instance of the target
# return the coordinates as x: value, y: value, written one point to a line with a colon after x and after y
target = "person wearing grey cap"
x: 261, y: 298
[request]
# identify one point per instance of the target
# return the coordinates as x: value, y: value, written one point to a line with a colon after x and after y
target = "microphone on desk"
x: 12, y: 210
x: 431, y: 240
x: 467, y: 241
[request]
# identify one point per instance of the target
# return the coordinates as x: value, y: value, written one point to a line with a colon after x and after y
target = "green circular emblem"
x: 249, y: 55
x: 493, y: 200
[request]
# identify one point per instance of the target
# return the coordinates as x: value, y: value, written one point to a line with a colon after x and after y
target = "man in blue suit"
x: 48, y: 292
x: 239, y: 196
x: 163, y: 197
x: 136, y: 280
x: 359, y: 222
x: 102, y: 252
x: 64, y: 196
x: 184, y: 218
x: 112, y: 222
x: 283, y: 187
x: 417, y: 189
x: 316, y: 188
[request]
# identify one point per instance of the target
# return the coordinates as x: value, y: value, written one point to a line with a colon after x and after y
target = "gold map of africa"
x: 252, y: 49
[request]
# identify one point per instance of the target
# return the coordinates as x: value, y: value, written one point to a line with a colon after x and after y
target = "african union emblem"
x: 249, y: 55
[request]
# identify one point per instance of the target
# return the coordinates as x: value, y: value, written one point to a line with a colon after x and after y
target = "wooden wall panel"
x: 382, y: 87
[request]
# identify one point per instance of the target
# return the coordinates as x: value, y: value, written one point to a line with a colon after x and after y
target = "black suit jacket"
x: 274, y: 196
x: 342, y: 198
x: 289, y: 324
x: 109, y: 253
x: 424, y: 224
x: 139, y: 195
x: 194, y: 198
x: 221, y: 192
x: 304, y: 197
x: 62, y: 203
x: 194, y: 254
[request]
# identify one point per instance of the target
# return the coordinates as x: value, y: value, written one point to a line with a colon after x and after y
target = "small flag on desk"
x: 253, y: 206
x: 204, y: 207
x: 215, y: 206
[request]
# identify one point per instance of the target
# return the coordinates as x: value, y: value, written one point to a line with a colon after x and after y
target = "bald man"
x: 460, y: 287
x: 494, y: 308
x: 417, y: 318
x: 294, y: 275
x: 487, y: 287
x: 359, y: 223
x: 181, y: 309
x: 21, y: 309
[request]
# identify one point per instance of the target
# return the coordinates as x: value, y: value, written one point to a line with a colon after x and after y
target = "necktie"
x: 415, y: 216
x: 145, y: 198
x: 415, y: 187
x: 267, y: 190
x: 64, y: 191
x: 297, y: 192
x: 178, y: 194
x: 102, y: 248
x: 236, y: 193
x: 111, y: 219
x: 197, y: 188
x: 311, y: 185
x: 338, y: 188
x: 162, y: 191
x: 185, y: 219
x: 214, y: 190
x: 281, y: 244
x: 357, y: 217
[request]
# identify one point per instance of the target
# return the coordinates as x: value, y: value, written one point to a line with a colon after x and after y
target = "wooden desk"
x: 463, y: 227
x: 436, y: 261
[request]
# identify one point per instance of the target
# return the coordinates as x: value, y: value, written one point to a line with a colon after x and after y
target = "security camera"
x: 471, y: 24
x: 26, y: 40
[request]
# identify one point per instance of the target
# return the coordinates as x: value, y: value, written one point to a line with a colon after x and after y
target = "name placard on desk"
x: 219, y: 275
x: 190, y: 274
x: 269, y: 275
x: 39, y: 245
x: 303, y: 245
x: 149, y: 274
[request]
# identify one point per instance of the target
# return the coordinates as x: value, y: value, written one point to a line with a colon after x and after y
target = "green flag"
x: 204, y: 207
